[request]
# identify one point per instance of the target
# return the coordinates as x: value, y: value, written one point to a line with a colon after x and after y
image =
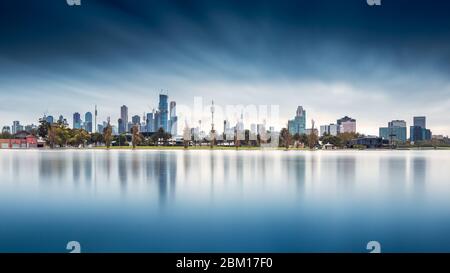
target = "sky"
x: 334, y: 58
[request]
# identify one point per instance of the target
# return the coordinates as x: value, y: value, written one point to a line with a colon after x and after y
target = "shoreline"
x: 220, y: 148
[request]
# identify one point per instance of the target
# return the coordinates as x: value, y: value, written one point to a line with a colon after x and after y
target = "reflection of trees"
x: 76, y: 167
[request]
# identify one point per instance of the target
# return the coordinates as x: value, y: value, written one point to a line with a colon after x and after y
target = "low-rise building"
x: 21, y: 140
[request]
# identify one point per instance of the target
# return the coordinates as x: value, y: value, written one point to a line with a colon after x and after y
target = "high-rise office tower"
x: 121, y: 125
x: 163, y: 112
x: 16, y: 127
x: 95, y: 124
x: 173, y: 118
x: 124, y: 118
x: 150, y: 122
x: 136, y: 120
x: 157, y: 119
x: 49, y: 119
x: 88, y: 122
x: 76, y: 121
x: 420, y: 121
x: 298, y: 124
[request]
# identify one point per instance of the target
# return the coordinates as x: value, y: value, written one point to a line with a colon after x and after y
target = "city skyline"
x: 286, y: 52
x: 395, y: 132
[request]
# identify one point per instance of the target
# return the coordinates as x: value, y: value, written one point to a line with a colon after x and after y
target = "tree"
x: 107, y: 135
x: 122, y: 139
x: 136, y: 136
x: 78, y: 137
x: 312, y: 138
x: 186, y: 136
x: 237, y: 141
x: 96, y: 138
x: 334, y: 140
x: 5, y: 135
x: 43, y: 128
x: 346, y: 137
x: 51, y: 136
x: 160, y: 134
x: 285, y: 138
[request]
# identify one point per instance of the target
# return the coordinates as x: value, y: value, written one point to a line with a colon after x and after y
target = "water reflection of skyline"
x: 143, y: 194
x: 166, y: 170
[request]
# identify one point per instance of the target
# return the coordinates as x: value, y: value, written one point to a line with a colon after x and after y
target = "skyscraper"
x: 157, y: 118
x: 49, y: 119
x: 298, y: 124
x: 150, y: 122
x: 173, y: 118
x: 95, y: 114
x: 88, y: 122
x: 420, y: 121
x: 76, y: 121
x: 123, y: 128
x: 16, y: 127
x: 136, y: 120
x: 163, y: 112
x: 121, y: 125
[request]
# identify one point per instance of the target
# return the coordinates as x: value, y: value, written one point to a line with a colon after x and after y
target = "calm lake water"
x: 224, y: 201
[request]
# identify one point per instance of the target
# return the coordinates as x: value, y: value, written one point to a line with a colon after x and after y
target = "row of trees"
x: 312, y: 140
x: 60, y: 135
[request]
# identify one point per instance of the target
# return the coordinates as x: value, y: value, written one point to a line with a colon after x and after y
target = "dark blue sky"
x: 333, y: 57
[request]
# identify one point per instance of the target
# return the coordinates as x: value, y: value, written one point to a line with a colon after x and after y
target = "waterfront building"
x: 88, y: 122
x: 6, y: 129
x: 367, y: 142
x: 20, y: 141
x: 298, y: 124
x: 395, y: 132
x: 77, y: 120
